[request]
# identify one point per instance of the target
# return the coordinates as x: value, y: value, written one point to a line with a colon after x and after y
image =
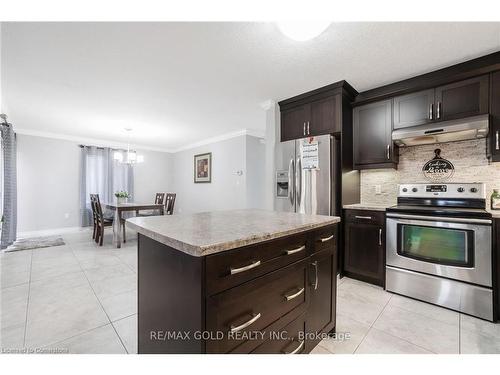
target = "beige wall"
x: 468, y: 157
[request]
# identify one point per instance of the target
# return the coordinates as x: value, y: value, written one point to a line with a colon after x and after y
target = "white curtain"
x: 8, y: 190
x: 101, y: 174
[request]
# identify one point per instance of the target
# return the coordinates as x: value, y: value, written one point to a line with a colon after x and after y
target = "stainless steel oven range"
x: 439, y: 240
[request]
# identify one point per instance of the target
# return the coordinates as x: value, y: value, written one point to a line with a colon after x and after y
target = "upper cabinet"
x: 414, y: 109
x: 315, y: 113
x: 494, y: 144
x: 448, y: 102
x: 372, y: 131
x: 310, y: 119
x: 462, y: 99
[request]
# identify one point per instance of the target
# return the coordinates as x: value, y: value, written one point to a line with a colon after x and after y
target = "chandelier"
x: 129, y: 157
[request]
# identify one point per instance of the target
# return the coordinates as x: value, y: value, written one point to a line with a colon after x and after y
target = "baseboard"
x: 51, y: 232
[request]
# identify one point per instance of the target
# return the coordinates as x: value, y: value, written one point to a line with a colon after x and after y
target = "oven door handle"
x: 440, y: 218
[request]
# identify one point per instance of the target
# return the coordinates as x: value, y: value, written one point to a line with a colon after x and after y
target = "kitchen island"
x: 239, y: 281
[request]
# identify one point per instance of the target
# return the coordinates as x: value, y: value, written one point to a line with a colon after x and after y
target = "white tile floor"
x: 83, y: 299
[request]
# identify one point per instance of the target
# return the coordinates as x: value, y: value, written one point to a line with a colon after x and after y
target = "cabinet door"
x: 494, y: 136
x: 325, y: 116
x: 462, y: 99
x: 372, y: 127
x: 293, y: 123
x: 414, y: 109
x: 323, y: 285
x: 364, y: 252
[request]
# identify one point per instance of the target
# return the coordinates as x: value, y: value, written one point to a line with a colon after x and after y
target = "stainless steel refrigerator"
x: 306, y: 175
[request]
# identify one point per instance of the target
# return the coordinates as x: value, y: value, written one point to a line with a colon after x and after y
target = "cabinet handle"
x: 326, y: 238
x: 380, y: 237
x: 438, y: 112
x: 363, y: 217
x: 316, y: 282
x: 298, y: 349
x: 304, y: 128
x: 431, y: 110
x: 388, y: 152
x: 246, y: 324
x: 294, y: 251
x: 289, y: 297
x: 245, y: 268
x: 308, y: 128
x: 496, y: 141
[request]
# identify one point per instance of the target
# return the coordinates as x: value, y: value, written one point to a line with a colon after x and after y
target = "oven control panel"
x: 451, y: 190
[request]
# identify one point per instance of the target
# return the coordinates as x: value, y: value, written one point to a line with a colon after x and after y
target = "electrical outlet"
x: 378, y: 189
x: 66, y: 216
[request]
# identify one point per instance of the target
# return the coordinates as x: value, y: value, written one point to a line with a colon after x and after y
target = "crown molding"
x: 222, y: 137
x: 107, y: 143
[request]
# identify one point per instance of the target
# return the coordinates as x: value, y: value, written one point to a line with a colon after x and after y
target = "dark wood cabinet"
x: 317, y: 112
x: 325, y: 116
x: 323, y: 296
x: 293, y: 122
x: 414, y: 109
x: 372, y: 131
x: 364, y: 252
x: 462, y: 99
x: 496, y: 269
x: 285, y: 285
x: 494, y: 135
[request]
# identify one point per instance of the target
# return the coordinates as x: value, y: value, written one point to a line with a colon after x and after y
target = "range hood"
x: 444, y: 131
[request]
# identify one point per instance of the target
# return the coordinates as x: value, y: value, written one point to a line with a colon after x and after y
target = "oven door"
x: 455, y: 248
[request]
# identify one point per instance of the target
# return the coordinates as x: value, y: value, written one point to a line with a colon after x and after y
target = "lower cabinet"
x: 277, y: 296
x: 323, y: 296
x: 364, y: 252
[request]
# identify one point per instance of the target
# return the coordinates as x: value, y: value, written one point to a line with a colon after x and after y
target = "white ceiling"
x: 180, y: 83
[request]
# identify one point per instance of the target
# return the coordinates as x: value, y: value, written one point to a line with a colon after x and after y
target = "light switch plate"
x: 378, y: 189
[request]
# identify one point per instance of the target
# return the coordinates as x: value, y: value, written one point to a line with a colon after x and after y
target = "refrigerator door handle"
x: 291, y: 186
x: 298, y: 177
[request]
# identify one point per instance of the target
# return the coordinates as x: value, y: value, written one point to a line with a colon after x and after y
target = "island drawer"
x: 253, y: 306
x: 325, y: 238
x: 289, y: 340
x: 234, y: 267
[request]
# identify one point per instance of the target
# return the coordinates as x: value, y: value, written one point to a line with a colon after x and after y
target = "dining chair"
x: 169, y: 203
x: 94, y: 214
x: 159, y: 198
x: 101, y: 221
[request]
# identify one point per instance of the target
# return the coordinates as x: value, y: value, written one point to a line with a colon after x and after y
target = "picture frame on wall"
x: 203, y: 168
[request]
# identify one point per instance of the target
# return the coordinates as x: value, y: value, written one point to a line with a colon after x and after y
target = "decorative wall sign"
x: 438, y: 169
x: 203, y: 168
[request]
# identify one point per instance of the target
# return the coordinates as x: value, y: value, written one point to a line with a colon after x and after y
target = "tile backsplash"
x: 468, y: 157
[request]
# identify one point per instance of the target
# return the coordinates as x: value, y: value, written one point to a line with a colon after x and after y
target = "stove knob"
x: 473, y: 190
x: 414, y: 190
x: 460, y: 189
x: 405, y: 190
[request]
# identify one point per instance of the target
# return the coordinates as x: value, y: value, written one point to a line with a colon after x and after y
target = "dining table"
x: 118, y: 208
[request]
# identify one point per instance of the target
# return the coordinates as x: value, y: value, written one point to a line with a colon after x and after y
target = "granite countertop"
x: 367, y: 206
x: 212, y: 232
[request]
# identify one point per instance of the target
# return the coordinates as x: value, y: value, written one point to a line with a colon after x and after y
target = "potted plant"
x: 121, y: 196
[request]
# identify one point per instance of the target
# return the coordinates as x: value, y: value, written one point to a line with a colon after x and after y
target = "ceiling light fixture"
x: 302, y: 30
x: 131, y: 156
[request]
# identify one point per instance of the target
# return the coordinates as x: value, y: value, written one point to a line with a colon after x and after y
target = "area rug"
x: 35, y: 243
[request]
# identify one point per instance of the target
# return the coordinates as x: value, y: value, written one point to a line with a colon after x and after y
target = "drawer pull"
x: 316, y: 281
x: 289, y: 297
x: 326, y: 239
x: 363, y: 217
x: 297, y: 349
x: 294, y: 251
x: 246, y: 324
x: 245, y: 268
